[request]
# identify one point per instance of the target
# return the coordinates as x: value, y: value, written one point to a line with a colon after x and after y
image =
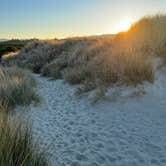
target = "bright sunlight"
x: 124, y: 26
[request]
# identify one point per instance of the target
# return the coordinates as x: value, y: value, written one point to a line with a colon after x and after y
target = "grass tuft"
x: 16, y: 145
x: 16, y: 87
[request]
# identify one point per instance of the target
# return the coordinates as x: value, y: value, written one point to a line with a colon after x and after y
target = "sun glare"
x: 124, y: 26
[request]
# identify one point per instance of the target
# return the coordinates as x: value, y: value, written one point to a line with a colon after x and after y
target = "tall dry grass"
x: 16, y: 144
x: 125, y: 58
x: 148, y: 34
x: 16, y: 87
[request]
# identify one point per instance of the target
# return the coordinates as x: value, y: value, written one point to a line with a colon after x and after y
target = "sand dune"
x: 127, y: 131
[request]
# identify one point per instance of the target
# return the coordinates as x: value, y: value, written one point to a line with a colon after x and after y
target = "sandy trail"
x: 130, y: 131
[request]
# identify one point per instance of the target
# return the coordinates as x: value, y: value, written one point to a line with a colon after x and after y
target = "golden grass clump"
x: 148, y: 34
x: 137, y: 69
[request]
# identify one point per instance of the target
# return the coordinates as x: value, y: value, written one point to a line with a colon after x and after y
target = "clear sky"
x: 65, y: 18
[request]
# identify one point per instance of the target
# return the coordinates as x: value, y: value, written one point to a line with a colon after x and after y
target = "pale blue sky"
x: 64, y: 18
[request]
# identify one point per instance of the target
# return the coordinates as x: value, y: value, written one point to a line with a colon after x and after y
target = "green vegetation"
x: 12, y: 46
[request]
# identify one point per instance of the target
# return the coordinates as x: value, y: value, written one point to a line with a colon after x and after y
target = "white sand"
x: 129, y: 130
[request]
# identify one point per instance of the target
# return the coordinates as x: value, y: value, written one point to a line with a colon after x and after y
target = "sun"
x: 123, y: 26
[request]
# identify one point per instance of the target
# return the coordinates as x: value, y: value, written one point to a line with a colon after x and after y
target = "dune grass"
x: 146, y: 35
x: 125, y: 58
x: 137, y: 69
x: 16, y: 87
x: 16, y: 144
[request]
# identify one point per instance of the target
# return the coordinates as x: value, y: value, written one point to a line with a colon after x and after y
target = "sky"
x: 47, y: 19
